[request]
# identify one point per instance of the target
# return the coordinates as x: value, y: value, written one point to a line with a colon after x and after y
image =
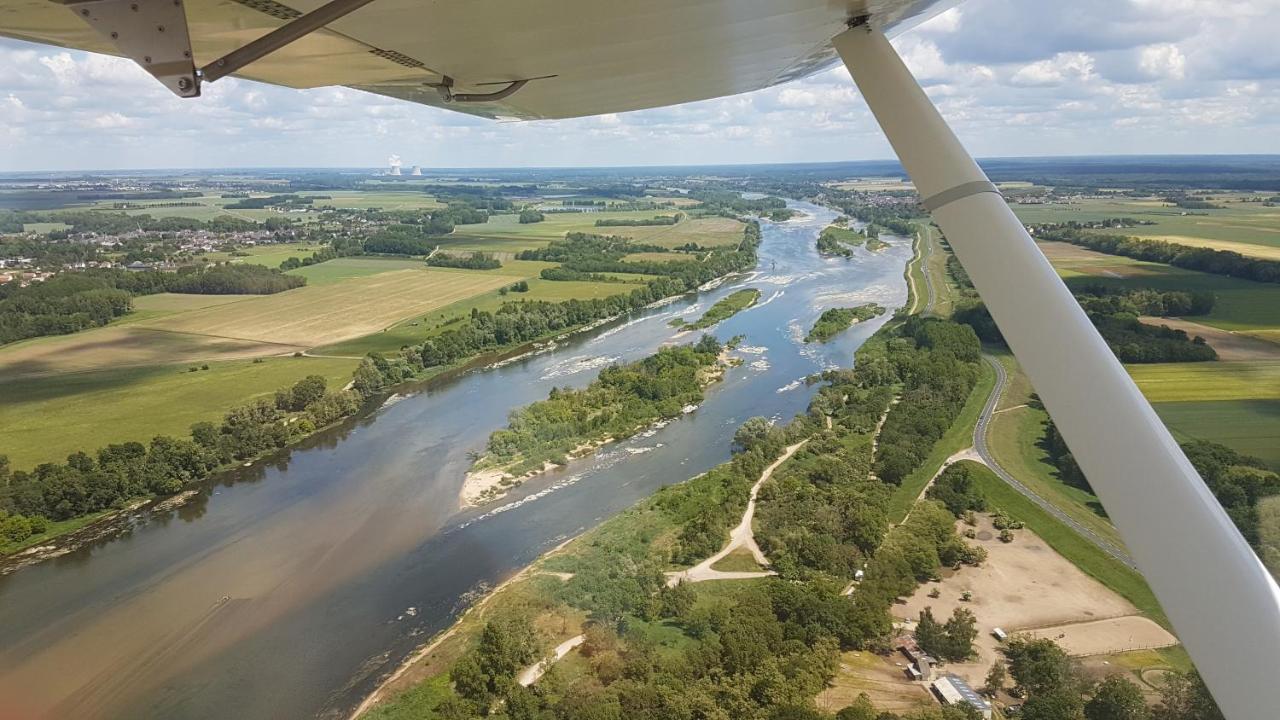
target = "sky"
x: 1014, y: 77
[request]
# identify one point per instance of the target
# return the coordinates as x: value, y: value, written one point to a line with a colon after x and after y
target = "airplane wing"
x: 580, y: 57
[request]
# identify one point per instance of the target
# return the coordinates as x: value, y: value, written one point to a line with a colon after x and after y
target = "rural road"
x: 980, y: 445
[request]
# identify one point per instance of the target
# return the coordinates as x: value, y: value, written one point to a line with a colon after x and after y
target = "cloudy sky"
x: 1015, y: 77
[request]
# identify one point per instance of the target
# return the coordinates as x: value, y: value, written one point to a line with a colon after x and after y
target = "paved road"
x: 980, y: 445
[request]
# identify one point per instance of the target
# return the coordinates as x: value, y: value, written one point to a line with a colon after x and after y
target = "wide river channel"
x: 289, y: 589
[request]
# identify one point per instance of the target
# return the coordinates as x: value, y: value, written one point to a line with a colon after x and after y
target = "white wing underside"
x: 594, y: 57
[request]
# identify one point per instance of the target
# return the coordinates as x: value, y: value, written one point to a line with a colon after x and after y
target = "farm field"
x: 1245, y: 227
x: 182, y: 329
x: 1246, y: 426
x: 348, y: 268
x: 46, y: 421
x: 707, y: 231
x: 1232, y: 401
x: 1183, y: 382
x: 310, y: 316
x: 266, y: 255
x: 419, y: 327
x: 1242, y: 306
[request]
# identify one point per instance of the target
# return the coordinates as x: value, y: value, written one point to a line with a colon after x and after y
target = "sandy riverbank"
x: 486, y: 485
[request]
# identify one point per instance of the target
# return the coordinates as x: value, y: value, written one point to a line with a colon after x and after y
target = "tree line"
x: 113, y: 475
x: 1114, y: 312
x: 71, y: 302
x: 473, y: 261
x: 640, y: 222
x: 1217, y: 262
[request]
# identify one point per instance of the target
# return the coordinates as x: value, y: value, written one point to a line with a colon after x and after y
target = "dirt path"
x: 530, y: 675
x: 739, y: 537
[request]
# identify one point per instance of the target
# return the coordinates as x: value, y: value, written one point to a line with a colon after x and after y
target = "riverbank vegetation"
x: 724, y: 309
x: 834, y: 321
x: 757, y: 649
x: 837, y: 241
x: 621, y: 401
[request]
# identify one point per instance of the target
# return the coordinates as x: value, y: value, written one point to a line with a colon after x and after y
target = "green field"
x: 1242, y: 305
x: 347, y: 268
x: 267, y: 255
x: 1067, y: 543
x: 1246, y: 227
x: 45, y: 421
x: 44, y: 227
x: 1014, y: 438
x: 1251, y: 427
x: 1186, y: 382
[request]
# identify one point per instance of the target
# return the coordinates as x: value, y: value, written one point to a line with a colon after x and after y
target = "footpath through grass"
x: 1067, y: 543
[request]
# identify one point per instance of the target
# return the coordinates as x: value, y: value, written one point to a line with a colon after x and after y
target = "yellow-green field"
x: 321, y: 315
x: 1245, y: 227
x: 1183, y: 382
x: 46, y: 421
x: 182, y: 329
x: 706, y: 232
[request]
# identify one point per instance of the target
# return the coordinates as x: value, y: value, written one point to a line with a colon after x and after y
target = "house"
x: 953, y: 690
x: 137, y: 266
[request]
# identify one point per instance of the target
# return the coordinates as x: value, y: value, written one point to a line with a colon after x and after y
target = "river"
x: 291, y: 588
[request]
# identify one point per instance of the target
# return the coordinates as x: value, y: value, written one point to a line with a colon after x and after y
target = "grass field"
x: 1067, y: 543
x: 45, y: 421
x: 1246, y: 227
x: 1251, y: 427
x: 1014, y: 438
x: 1186, y: 382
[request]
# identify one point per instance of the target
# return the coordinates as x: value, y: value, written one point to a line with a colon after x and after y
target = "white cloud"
x: 1014, y: 77
x: 1163, y: 61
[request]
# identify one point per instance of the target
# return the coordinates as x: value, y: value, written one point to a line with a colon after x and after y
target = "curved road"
x: 980, y: 445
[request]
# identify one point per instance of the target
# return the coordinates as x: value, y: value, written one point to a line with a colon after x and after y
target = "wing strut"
x: 1222, y: 602
x: 153, y: 33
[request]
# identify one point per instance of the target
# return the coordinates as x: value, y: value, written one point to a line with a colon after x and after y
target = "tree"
x: 1116, y: 698
x: 861, y: 709
x: 752, y: 432
x: 961, y: 630
x: 995, y: 679
x: 1062, y: 703
x: 1039, y: 666
x: 1186, y: 697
